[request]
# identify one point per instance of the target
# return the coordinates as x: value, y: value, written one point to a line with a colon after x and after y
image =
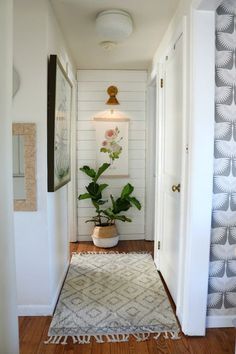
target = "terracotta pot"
x: 105, y: 236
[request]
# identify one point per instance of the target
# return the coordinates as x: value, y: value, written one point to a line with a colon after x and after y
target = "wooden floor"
x: 33, y: 330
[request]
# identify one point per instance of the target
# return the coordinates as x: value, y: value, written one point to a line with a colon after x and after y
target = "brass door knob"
x: 176, y: 188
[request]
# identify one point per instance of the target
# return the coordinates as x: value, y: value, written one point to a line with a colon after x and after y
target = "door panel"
x: 172, y: 161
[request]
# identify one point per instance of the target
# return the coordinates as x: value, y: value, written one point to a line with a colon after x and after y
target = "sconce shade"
x: 112, y: 92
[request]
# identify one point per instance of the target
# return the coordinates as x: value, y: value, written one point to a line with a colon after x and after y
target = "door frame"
x: 196, y: 199
x: 150, y: 156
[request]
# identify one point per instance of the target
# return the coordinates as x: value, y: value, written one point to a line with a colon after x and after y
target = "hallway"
x: 169, y: 136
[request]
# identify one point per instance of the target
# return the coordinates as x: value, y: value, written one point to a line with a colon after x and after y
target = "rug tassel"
x: 140, y: 337
x: 57, y: 340
x: 111, y: 338
x: 49, y: 340
x: 125, y: 338
x: 99, y: 339
x: 157, y: 335
x: 166, y: 336
x: 84, y: 339
x: 64, y: 342
x: 175, y: 335
x: 74, y: 340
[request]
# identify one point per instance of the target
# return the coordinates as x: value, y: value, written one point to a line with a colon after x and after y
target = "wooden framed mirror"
x: 24, y: 166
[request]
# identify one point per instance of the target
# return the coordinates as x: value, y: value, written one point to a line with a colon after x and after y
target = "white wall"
x: 8, y: 309
x: 56, y: 45
x: 41, y: 237
x: 60, y: 221
x: 29, y: 105
x: 92, y: 95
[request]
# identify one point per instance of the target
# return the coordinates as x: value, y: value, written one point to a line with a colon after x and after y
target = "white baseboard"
x: 219, y: 321
x: 44, y: 310
x: 34, y: 310
x: 59, y: 286
x: 122, y: 237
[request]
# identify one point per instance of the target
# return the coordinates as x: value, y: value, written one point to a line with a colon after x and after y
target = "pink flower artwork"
x: 111, y: 145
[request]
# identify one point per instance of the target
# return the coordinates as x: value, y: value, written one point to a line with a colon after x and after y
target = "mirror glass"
x: 18, y: 167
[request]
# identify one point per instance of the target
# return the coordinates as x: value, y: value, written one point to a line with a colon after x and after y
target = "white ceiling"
x: 77, y: 21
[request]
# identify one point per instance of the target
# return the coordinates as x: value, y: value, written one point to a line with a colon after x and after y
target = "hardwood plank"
x: 141, y: 347
x: 157, y: 346
x: 180, y: 346
x: 23, y: 323
x: 32, y: 334
x: 216, y: 341
x: 48, y: 348
x: 33, y: 330
x: 101, y: 348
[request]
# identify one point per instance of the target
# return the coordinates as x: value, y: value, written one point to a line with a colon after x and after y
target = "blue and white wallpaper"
x: 222, y: 282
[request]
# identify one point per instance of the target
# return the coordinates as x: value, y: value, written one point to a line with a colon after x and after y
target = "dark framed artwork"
x: 59, y: 125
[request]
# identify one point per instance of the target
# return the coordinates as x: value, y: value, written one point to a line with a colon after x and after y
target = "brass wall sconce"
x: 112, y: 92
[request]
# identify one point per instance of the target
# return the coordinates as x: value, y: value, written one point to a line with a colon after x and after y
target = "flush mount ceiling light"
x: 107, y: 45
x: 114, y: 25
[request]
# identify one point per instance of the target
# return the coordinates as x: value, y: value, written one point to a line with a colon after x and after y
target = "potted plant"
x: 105, y: 231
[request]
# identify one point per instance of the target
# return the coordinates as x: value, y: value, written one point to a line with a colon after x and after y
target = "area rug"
x: 110, y: 297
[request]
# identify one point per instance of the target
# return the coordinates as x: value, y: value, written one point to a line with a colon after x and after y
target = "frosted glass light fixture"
x: 114, y: 25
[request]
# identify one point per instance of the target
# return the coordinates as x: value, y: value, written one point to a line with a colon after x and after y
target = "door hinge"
x: 159, y: 245
x: 161, y: 83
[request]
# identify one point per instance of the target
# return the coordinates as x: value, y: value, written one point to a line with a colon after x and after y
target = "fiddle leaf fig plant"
x: 124, y: 202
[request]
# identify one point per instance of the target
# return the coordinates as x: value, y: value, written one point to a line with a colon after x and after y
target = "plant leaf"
x: 91, y: 220
x: 127, y: 190
x: 89, y: 171
x: 108, y: 212
x: 113, y: 201
x: 102, y: 187
x: 135, y: 202
x: 100, y: 171
x: 121, y: 205
x: 93, y: 189
x: 122, y: 218
x: 101, y: 202
x: 84, y: 196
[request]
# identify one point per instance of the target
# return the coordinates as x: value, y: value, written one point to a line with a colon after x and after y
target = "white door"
x: 171, y: 166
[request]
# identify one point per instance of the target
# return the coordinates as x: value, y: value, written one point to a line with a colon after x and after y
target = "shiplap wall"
x: 92, y: 95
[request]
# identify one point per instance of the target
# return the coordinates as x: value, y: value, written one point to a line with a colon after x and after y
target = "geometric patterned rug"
x: 111, y: 296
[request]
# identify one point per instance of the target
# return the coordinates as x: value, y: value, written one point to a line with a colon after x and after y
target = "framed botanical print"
x: 59, y: 125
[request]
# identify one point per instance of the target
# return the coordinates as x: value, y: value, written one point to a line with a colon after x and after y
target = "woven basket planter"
x: 105, y: 236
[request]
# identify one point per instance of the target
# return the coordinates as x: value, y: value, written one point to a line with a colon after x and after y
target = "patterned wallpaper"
x: 222, y: 282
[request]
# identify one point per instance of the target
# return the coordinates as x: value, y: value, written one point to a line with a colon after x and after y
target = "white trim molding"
x: 200, y: 172
x: 220, y: 321
x: 150, y: 160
